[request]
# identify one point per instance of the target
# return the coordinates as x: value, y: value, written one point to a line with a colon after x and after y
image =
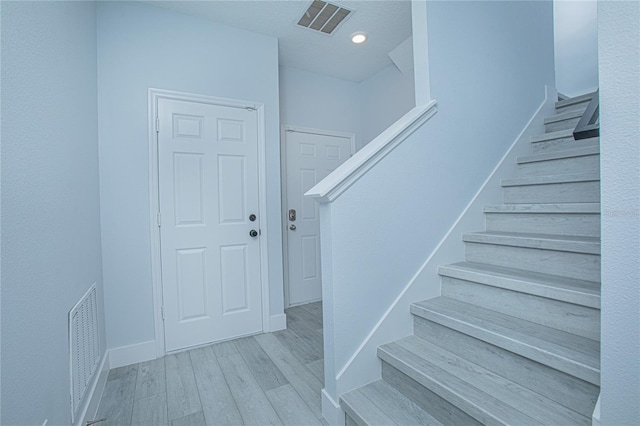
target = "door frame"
x: 284, y: 129
x: 154, y: 206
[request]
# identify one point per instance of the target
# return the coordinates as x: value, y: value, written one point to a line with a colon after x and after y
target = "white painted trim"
x: 331, y: 187
x: 451, y: 237
x: 331, y: 411
x: 595, y: 418
x: 89, y: 409
x: 262, y: 207
x: 132, y: 354
x: 422, y: 85
x: 154, y: 206
x: 284, y: 129
x: 277, y: 323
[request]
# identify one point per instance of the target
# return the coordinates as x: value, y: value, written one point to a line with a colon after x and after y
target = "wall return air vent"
x: 323, y: 16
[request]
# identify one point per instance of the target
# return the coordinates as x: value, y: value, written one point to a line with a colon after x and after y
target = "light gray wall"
x: 365, y: 109
x: 142, y: 46
x: 318, y: 101
x: 384, y: 97
x: 50, y: 203
x: 619, y: 45
x: 487, y: 90
x: 576, y: 46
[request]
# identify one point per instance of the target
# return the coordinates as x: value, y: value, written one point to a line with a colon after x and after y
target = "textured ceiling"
x: 388, y: 23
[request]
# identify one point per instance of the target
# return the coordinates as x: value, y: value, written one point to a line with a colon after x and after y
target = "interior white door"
x: 310, y: 157
x: 208, y: 190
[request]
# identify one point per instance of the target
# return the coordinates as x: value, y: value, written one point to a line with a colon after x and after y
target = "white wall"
x: 50, y: 203
x: 365, y: 109
x: 142, y: 46
x: 384, y: 98
x: 319, y: 102
x: 384, y: 226
x: 619, y: 45
x: 576, y: 46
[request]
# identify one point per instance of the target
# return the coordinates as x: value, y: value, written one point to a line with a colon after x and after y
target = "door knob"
x: 253, y: 233
x: 292, y: 227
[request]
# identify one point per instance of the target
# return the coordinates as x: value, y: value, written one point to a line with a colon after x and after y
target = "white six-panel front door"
x: 208, y: 189
x: 310, y: 157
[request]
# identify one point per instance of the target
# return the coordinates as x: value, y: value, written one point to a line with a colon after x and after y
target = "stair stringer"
x: 364, y: 366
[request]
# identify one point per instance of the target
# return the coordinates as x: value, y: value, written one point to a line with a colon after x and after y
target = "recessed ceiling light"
x: 359, y: 37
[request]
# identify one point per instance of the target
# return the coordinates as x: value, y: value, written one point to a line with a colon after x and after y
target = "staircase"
x: 515, y: 337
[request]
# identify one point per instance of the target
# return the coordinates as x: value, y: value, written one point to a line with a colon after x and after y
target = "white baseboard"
x: 595, y: 418
x: 94, y: 394
x: 277, y: 322
x: 132, y: 354
x: 331, y: 411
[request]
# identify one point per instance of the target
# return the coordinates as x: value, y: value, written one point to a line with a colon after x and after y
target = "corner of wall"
x: 277, y: 322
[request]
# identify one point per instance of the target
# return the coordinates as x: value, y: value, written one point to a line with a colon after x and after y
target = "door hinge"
x: 159, y: 220
x: 157, y: 125
x: 162, y: 312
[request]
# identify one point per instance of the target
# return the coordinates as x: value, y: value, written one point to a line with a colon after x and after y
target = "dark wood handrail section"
x: 589, y: 124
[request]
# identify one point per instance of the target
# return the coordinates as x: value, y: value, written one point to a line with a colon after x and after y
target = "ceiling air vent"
x: 323, y: 16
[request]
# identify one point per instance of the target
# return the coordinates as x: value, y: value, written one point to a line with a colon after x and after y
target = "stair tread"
x: 567, y: 352
x: 551, y: 179
x: 572, y: 243
x: 544, y: 208
x: 564, y: 116
x: 560, y: 154
x: 566, y: 133
x: 486, y: 395
x: 380, y: 403
x: 574, y: 100
x: 571, y: 290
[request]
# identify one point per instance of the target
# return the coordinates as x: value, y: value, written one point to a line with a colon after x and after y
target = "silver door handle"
x: 292, y: 227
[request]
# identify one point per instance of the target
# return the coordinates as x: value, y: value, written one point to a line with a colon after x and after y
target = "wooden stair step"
x: 483, y: 394
x: 586, y: 208
x: 379, y: 403
x: 571, y: 354
x: 572, y: 102
x: 568, y: 243
x: 579, y: 292
x: 557, y: 155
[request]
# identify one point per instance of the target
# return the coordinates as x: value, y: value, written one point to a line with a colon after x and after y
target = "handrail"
x: 357, y: 166
x: 589, y: 124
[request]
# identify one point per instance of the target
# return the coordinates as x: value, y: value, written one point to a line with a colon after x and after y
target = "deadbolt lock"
x: 292, y: 215
x: 252, y: 217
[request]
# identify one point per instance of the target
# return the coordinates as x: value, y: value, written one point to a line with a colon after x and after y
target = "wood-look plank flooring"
x: 268, y: 379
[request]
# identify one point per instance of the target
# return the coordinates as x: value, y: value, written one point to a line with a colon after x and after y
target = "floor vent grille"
x: 84, y: 346
x: 323, y: 16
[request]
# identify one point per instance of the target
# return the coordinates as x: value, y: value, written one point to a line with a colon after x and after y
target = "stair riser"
x: 425, y: 398
x: 566, y: 389
x: 348, y: 421
x: 562, y: 144
x: 581, y: 224
x: 574, y: 107
x: 561, y: 125
x: 562, y: 316
x: 566, y: 264
x: 570, y: 192
x: 583, y: 164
